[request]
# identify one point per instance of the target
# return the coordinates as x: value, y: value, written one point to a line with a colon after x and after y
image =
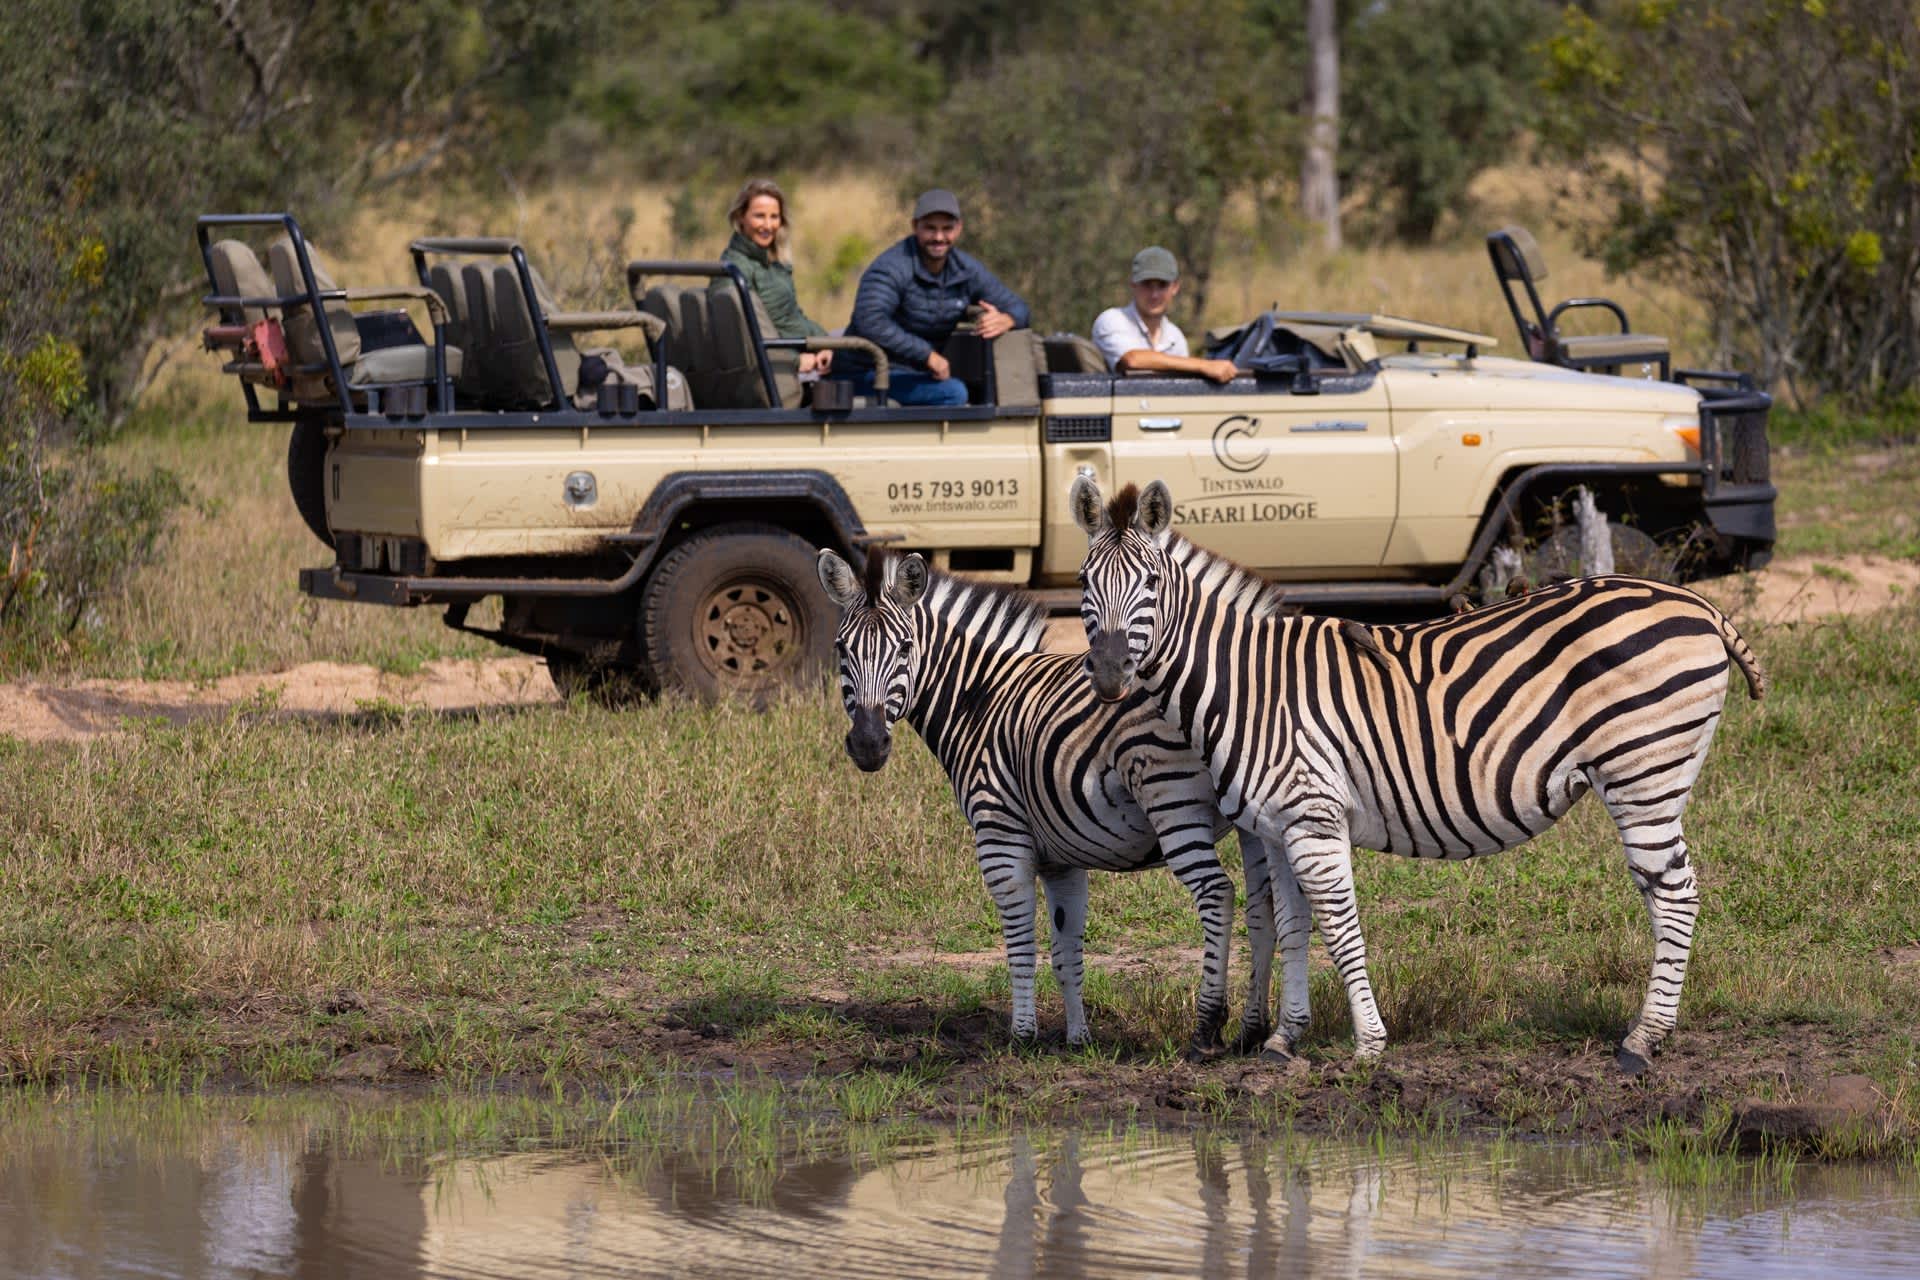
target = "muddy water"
x: 252, y: 1189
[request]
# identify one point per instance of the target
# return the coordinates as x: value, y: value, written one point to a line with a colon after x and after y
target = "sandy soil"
x: 1796, y: 590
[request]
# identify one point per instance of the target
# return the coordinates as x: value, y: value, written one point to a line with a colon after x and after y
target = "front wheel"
x: 737, y: 610
x: 1634, y: 553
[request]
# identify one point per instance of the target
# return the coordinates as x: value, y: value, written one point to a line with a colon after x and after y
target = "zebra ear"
x: 909, y: 581
x: 1155, y: 513
x: 1084, y: 500
x: 838, y: 577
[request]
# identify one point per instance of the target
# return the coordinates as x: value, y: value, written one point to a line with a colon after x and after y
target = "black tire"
x: 1634, y: 553
x: 737, y: 610
x: 610, y: 684
x: 307, y: 475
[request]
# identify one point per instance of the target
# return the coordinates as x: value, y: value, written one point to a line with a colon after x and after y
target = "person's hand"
x: 809, y: 361
x: 822, y: 362
x: 993, y: 321
x: 1220, y: 370
x: 938, y: 367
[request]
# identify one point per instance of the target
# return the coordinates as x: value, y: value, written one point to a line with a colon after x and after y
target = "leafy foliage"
x: 1768, y: 152
x: 1438, y: 91
x: 703, y: 85
x: 1072, y: 157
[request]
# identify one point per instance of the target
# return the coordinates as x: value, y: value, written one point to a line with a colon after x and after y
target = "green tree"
x: 1768, y: 153
x: 697, y: 85
x: 1071, y: 157
x: 1437, y: 90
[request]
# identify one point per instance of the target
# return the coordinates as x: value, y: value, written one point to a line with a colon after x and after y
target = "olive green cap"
x: 1155, y: 263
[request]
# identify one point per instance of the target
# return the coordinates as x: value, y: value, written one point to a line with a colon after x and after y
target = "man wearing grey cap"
x: 913, y: 295
x: 1138, y: 338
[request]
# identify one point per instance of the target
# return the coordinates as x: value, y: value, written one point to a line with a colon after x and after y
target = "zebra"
x: 1053, y: 781
x: 1444, y: 739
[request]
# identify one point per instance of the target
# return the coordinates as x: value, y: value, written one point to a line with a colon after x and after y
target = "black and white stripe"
x: 1445, y: 739
x: 1053, y: 781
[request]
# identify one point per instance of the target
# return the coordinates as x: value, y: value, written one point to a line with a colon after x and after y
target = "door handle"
x: 1159, y: 424
x: 1330, y: 426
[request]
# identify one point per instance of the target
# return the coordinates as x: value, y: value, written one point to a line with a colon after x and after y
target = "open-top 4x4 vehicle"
x: 653, y: 521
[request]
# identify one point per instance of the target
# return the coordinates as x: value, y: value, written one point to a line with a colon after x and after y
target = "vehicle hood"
x: 1431, y: 380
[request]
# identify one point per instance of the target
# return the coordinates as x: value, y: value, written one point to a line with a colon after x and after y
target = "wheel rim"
x: 749, y: 630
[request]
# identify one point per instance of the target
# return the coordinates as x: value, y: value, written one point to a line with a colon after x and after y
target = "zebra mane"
x: 1236, y: 585
x: 1002, y: 616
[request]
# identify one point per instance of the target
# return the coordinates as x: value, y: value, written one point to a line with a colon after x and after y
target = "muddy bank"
x: 1743, y: 1087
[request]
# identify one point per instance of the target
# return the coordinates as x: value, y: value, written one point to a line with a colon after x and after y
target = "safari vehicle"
x: 653, y: 522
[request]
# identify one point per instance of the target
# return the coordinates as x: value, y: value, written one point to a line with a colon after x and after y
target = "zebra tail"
x: 1737, y: 650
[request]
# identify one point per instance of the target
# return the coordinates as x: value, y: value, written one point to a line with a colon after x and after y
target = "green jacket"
x: 773, y: 281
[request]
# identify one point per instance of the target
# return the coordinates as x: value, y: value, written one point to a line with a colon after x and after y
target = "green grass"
x: 530, y: 891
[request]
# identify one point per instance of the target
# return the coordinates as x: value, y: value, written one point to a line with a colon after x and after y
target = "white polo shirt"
x: 1119, y: 330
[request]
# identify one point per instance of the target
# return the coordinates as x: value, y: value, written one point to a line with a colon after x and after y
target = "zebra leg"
x: 1179, y: 802
x: 1006, y: 864
x: 1294, y: 926
x: 1255, y: 1025
x: 1067, y: 904
x: 1199, y: 870
x: 1657, y: 860
x: 1319, y: 849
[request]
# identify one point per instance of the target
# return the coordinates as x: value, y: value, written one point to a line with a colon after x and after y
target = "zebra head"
x: 874, y: 645
x: 1120, y: 582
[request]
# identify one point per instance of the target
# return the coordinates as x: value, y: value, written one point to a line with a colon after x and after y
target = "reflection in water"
x: 314, y: 1188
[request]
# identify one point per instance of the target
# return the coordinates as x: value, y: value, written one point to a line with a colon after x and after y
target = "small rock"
x: 370, y: 1063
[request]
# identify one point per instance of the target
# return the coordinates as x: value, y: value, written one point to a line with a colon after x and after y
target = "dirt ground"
x: 1797, y: 590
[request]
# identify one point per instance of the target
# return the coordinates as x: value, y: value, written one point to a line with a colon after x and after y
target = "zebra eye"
x: 1081, y: 577
x: 1153, y: 580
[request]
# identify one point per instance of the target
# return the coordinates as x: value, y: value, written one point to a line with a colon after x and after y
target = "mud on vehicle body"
x: 647, y: 511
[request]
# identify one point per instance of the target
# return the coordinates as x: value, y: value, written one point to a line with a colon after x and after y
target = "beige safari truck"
x: 647, y: 512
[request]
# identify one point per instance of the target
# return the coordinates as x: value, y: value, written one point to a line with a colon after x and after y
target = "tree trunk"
x: 1319, y: 184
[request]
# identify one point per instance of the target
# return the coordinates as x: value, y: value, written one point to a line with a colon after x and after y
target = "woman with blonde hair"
x: 759, y: 249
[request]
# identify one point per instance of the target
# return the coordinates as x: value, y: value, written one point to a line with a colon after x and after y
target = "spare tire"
x: 737, y: 610
x: 307, y: 475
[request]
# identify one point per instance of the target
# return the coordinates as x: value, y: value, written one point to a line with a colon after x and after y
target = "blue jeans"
x: 913, y: 387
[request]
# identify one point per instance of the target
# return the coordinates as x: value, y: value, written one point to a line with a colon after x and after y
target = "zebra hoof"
x: 1630, y: 1063
x: 1251, y: 1038
x: 1275, y: 1057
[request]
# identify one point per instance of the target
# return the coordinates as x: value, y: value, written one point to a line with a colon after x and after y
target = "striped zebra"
x: 1053, y: 781
x: 1445, y: 739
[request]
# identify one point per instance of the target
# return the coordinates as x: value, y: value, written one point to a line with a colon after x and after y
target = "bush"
x: 1069, y: 159
x: 70, y: 526
x: 1436, y: 91
x: 1769, y: 157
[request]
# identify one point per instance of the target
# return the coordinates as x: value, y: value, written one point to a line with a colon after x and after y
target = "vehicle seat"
x: 387, y: 366
x: 238, y: 273
x: 445, y: 279
x: 695, y: 333
x: 1071, y: 353
x: 736, y: 372
x: 522, y: 372
x: 1517, y: 260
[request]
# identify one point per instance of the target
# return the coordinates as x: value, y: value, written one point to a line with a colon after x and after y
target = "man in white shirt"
x: 1138, y: 338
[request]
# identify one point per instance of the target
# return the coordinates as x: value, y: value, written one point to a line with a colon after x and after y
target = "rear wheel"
x: 737, y: 609
x: 307, y: 475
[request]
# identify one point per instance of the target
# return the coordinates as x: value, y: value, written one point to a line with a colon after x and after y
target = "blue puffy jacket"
x: 908, y: 312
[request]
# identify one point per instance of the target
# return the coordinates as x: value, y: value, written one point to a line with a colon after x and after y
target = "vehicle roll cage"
x: 314, y: 299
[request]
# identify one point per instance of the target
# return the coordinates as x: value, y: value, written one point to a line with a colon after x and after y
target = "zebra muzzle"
x: 1110, y: 666
x: 869, y: 741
